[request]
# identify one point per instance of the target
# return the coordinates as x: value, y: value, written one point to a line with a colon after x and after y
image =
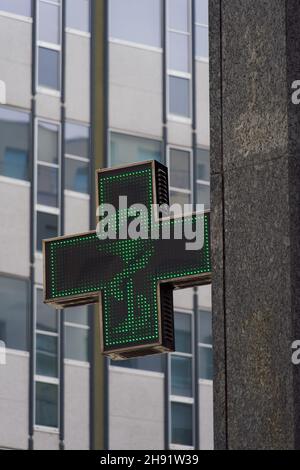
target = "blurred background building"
x: 86, y: 84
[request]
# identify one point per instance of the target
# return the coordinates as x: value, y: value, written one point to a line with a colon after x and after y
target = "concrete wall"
x: 14, y: 400
x: 136, y: 409
x: 76, y: 406
x: 135, y: 90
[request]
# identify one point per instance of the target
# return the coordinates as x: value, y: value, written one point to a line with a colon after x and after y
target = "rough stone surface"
x: 255, y: 222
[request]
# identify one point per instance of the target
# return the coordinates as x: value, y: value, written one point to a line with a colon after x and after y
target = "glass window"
x: 202, y: 12
x: 181, y: 383
x: 151, y: 363
x: 205, y: 363
x: 47, y: 227
x: 182, y: 424
x: 77, y: 176
x: 48, y: 142
x: 202, y: 41
x: 203, y: 164
x: 46, y: 355
x: 128, y: 149
x: 14, y: 295
x: 179, y: 96
x: 47, y: 186
x: 178, y: 15
x: 205, y: 327
x: 183, y: 333
x: 14, y: 143
x: 18, y: 7
x: 49, y: 22
x: 180, y: 167
x: 179, y: 58
x: 76, y: 343
x: 136, y: 20
x: 46, y: 317
x: 49, y: 68
x: 78, y: 15
x: 46, y: 404
x: 177, y: 197
x: 77, y: 140
x: 203, y: 195
x: 78, y: 315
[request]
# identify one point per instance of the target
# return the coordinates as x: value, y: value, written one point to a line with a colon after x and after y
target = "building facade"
x: 86, y: 84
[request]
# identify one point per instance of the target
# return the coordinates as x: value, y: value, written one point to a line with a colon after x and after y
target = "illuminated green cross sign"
x: 133, y: 279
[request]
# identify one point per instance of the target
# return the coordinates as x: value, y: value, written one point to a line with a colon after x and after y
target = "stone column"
x: 255, y: 177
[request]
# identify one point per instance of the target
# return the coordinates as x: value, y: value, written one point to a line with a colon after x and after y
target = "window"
x: 49, y: 44
x: 47, y: 181
x: 182, y: 424
x: 14, y: 306
x: 77, y: 147
x: 78, y: 15
x: 137, y: 21
x: 205, y: 350
x: 14, y: 148
x: 202, y: 34
x: 182, y: 392
x: 180, y: 176
x: 46, y: 363
x: 129, y: 149
x: 77, y: 334
x: 151, y: 363
x: 203, y: 177
x: 179, y: 57
x: 22, y: 8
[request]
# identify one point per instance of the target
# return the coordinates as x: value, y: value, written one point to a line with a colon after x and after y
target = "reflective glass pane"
x: 202, y: 11
x: 183, y: 332
x: 205, y: 327
x: 129, y: 149
x: 77, y: 139
x: 46, y: 355
x: 77, y: 315
x: 203, y: 195
x: 182, y: 424
x: 179, y: 96
x: 136, y: 20
x: 205, y: 363
x: 202, y: 42
x: 77, y: 176
x: 48, y: 142
x: 178, y: 15
x: 19, y: 7
x: 151, y: 363
x: 49, y: 68
x: 14, y: 305
x: 46, y: 317
x: 177, y: 197
x: 46, y: 413
x: 76, y: 343
x: 203, y: 164
x: 47, y: 186
x: 181, y: 376
x: 78, y: 15
x: 180, y: 163
x: 14, y: 147
x: 179, y: 58
x: 47, y: 227
x: 49, y: 22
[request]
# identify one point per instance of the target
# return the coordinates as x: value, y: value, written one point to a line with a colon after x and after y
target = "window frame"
x: 18, y: 16
x: 202, y: 25
x: 179, y: 148
x: 200, y: 182
x: 40, y: 378
x: 50, y: 46
x: 38, y: 207
x: 80, y: 32
x: 203, y: 345
x: 69, y: 156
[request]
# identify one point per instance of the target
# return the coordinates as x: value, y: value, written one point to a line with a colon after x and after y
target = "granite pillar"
x: 255, y: 179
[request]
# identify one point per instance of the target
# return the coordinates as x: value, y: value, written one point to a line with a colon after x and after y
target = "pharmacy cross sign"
x: 132, y: 278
